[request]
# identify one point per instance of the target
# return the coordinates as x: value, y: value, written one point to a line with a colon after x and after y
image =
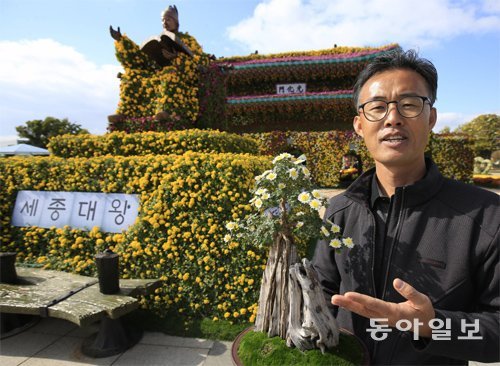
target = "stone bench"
x: 77, y: 299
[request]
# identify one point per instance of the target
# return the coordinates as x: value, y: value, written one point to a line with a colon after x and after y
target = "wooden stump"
x: 311, y: 324
x: 274, y: 303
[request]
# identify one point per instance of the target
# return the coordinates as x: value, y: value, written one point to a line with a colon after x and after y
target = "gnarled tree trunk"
x: 274, y: 303
x: 311, y: 324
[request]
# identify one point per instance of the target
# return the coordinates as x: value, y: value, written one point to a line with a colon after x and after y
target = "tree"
x: 485, y: 131
x: 39, y: 132
x: 445, y: 129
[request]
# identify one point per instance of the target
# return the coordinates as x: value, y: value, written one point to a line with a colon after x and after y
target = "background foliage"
x: 39, y: 132
x: 324, y: 150
x: 484, y: 131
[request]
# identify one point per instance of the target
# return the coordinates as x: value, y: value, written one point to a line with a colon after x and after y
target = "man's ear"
x: 432, y: 118
x: 356, y: 123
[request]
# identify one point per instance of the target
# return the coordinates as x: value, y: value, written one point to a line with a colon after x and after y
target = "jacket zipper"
x: 373, y: 251
x: 395, y: 240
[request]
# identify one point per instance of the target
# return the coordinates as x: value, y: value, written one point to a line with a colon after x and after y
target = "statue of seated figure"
x: 166, y: 46
x: 160, y: 79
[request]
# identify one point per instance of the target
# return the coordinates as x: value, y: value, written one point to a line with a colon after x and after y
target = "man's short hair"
x: 394, y: 60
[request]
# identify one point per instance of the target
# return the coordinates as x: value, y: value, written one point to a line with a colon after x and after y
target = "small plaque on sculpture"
x: 298, y: 88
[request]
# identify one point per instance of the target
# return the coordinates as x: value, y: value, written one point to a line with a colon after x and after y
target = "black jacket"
x: 444, y: 241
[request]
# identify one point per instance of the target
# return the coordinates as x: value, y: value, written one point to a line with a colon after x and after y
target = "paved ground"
x: 54, y: 342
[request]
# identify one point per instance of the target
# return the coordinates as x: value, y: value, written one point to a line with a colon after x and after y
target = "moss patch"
x: 258, y: 349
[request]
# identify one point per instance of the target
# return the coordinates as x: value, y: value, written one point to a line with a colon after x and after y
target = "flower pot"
x: 365, y: 360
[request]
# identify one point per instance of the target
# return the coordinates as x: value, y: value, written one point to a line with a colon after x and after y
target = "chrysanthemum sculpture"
x: 291, y: 303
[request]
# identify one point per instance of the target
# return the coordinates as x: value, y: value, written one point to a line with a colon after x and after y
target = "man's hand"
x: 418, y: 306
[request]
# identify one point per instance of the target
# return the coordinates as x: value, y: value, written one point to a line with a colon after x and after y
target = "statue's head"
x: 170, y: 19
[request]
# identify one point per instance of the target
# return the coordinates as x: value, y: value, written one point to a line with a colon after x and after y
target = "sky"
x: 57, y: 57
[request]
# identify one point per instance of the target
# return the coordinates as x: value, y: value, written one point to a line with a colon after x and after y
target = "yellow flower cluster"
x: 185, y: 200
x: 147, y: 89
x: 144, y: 143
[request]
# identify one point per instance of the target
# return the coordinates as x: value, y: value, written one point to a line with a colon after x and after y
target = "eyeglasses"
x: 409, y: 107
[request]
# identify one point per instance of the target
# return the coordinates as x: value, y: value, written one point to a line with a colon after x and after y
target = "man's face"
x: 396, y: 140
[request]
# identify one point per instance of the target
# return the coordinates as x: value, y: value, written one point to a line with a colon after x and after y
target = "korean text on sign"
x: 112, y: 212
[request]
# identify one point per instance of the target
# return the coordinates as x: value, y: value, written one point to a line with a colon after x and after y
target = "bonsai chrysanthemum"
x: 285, y: 201
x: 287, y: 214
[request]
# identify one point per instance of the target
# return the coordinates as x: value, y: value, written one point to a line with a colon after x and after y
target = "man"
x: 425, y: 261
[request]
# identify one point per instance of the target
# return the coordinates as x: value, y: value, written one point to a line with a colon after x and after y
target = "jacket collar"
x: 415, y: 194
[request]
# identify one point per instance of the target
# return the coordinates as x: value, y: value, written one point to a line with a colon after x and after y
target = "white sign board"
x: 291, y: 88
x: 112, y: 212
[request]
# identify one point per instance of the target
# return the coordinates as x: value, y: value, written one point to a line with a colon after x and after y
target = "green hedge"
x: 185, y: 201
x: 144, y: 143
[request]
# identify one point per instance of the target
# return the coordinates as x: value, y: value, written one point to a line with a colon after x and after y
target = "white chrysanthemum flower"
x: 265, y: 196
x: 304, y: 197
x: 299, y: 224
x: 294, y: 174
x: 300, y: 213
x: 271, y: 176
x: 259, y: 177
x: 300, y: 159
x: 227, y: 238
x: 325, y: 231
x: 281, y: 185
x: 258, y: 203
x: 335, y: 229
x: 306, y: 171
x: 335, y: 243
x: 231, y: 225
x: 281, y: 157
x: 260, y: 191
x: 348, y: 242
x: 316, y: 193
x: 316, y: 204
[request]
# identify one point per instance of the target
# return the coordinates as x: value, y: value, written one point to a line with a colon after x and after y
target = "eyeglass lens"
x: 408, y: 107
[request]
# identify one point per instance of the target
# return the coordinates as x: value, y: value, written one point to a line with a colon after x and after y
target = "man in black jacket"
x: 426, y: 258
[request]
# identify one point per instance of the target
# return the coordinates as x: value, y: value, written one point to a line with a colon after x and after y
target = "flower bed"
x: 178, y: 236
x: 485, y: 180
